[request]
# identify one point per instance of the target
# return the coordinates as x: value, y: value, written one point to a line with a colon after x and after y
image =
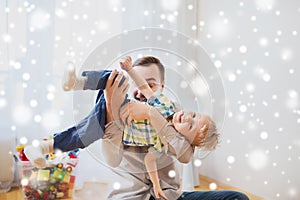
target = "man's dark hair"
x: 148, y: 60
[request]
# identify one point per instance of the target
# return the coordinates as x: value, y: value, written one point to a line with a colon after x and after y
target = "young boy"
x: 199, y: 129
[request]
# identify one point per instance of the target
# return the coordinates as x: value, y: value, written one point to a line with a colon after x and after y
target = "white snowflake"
x: 257, y: 159
x: 39, y: 20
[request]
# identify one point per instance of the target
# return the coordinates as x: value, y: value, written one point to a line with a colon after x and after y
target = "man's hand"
x: 115, y: 94
x: 126, y: 63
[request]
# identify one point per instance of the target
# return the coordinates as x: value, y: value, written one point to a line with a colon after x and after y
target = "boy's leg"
x: 96, y: 80
x: 81, y: 135
x: 71, y: 81
x: 89, y: 80
x: 85, y: 132
x: 91, y: 128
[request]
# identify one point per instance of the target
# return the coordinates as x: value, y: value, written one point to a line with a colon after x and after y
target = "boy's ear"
x: 204, y: 128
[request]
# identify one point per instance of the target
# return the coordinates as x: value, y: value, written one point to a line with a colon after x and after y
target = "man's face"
x: 152, y: 75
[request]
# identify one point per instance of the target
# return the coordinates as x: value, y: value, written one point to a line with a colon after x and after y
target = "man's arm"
x: 112, y: 146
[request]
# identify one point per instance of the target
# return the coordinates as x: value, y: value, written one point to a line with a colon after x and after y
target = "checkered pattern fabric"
x: 141, y: 132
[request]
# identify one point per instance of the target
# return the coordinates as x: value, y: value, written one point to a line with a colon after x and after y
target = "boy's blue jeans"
x: 91, y: 128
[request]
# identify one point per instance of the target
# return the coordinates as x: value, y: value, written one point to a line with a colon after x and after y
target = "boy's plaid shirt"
x: 141, y: 132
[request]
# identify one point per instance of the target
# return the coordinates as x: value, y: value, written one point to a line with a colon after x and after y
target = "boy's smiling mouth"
x: 180, y: 117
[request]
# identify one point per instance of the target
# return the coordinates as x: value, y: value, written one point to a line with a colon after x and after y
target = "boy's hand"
x: 126, y: 63
x: 159, y: 193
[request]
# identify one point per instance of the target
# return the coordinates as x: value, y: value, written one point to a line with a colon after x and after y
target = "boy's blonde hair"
x: 210, y: 140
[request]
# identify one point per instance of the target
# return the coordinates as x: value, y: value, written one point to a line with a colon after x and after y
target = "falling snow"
x: 264, y: 135
x: 213, y: 186
x: 257, y: 159
x: 230, y: 159
x: 243, y: 49
x: 172, y: 173
x: 253, y: 45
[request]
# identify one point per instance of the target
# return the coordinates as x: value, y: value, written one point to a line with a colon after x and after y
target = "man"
x: 131, y: 171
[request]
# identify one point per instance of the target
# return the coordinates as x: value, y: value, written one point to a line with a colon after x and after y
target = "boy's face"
x: 152, y: 75
x: 189, y: 123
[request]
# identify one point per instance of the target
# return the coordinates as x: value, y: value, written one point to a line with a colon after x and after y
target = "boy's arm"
x: 139, y: 81
x: 178, y: 144
x: 150, y: 162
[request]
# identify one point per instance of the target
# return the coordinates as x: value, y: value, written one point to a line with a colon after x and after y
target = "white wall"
x: 260, y: 139
x: 260, y: 144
